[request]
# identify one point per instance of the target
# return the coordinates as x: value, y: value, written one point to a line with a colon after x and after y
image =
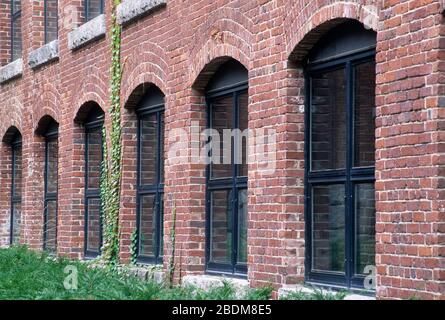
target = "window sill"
x: 11, y: 71
x: 44, y: 54
x: 206, y: 282
x: 130, y: 10
x: 87, y: 33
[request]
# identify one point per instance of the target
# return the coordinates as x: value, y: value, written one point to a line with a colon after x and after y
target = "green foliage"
x: 111, y: 168
x: 30, y: 275
x: 134, y: 247
x: 171, y: 262
x: 262, y: 293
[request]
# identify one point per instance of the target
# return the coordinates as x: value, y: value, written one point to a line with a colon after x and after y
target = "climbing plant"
x: 171, y: 263
x: 134, y: 247
x: 111, y: 168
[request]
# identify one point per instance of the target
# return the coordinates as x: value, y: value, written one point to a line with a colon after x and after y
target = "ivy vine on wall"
x: 111, y: 168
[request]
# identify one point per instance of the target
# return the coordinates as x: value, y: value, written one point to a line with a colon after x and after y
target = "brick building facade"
x: 55, y: 88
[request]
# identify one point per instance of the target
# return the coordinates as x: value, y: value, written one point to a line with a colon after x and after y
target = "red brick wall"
x: 5, y: 32
x: 270, y: 38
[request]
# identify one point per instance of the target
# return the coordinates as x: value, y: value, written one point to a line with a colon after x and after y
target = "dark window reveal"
x: 340, y: 138
x: 16, y: 188
x: 93, y: 168
x: 51, y: 189
x: 150, y: 190
x: 227, y: 99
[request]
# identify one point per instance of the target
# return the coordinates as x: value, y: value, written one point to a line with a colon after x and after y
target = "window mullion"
x: 234, y: 203
x: 349, y: 226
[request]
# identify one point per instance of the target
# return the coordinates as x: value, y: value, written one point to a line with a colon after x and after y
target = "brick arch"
x: 303, y: 27
x: 227, y: 33
x: 48, y: 111
x: 211, y: 63
x: 43, y: 122
x: 11, y: 115
x: 148, y: 64
x: 224, y: 21
x: 94, y: 88
x: 138, y: 92
x: 10, y: 134
x: 83, y: 110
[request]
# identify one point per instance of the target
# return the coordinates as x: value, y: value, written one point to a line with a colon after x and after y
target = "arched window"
x: 16, y: 188
x: 13, y: 139
x: 51, y: 186
x: 227, y: 103
x: 93, y: 167
x: 340, y: 157
x: 150, y: 178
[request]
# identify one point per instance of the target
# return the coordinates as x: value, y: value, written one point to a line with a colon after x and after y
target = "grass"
x: 28, y: 275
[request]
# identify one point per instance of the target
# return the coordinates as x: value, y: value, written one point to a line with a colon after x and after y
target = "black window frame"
x: 236, y: 184
x: 350, y: 176
x: 50, y: 136
x: 92, y: 126
x: 87, y: 5
x: 14, y: 17
x: 16, y: 146
x: 156, y: 189
x: 45, y: 21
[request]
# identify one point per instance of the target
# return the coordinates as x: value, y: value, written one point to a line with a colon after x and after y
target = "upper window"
x: 340, y: 152
x: 150, y: 185
x: 50, y: 20
x: 93, y: 8
x: 93, y: 168
x: 227, y: 99
x: 51, y: 188
x: 16, y: 30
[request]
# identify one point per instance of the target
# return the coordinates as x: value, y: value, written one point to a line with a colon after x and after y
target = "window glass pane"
x: 147, y: 222
x: 222, y: 119
x: 16, y: 38
x: 94, y: 163
x: 51, y: 226
x: 243, y: 103
x: 16, y: 221
x: 328, y: 228
x: 94, y: 8
x: 94, y: 225
x: 328, y: 121
x: 52, y: 163
x: 50, y: 20
x: 364, y: 115
x: 365, y: 226
x: 242, y: 226
x: 149, y: 148
x: 221, y: 227
x: 16, y: 6
x: 17, y: 192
